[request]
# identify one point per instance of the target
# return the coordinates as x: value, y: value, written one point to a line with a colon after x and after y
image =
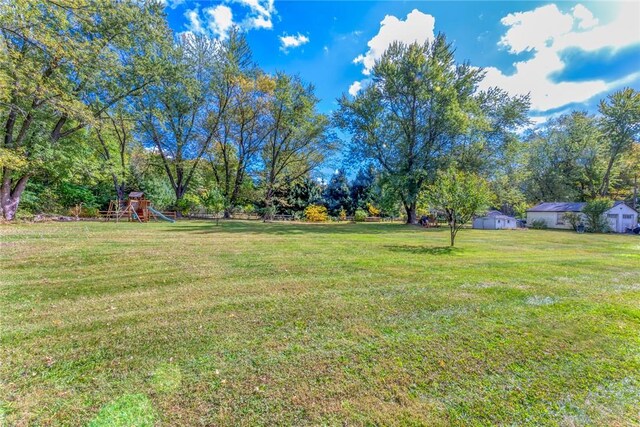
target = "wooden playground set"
x: 136, y: 208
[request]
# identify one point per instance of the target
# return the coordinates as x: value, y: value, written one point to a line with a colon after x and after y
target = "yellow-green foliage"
x: 373, y: 211
x: 360, y: 215
x: 316, y: 213
x: 8, y: 158
x: 343, y: 214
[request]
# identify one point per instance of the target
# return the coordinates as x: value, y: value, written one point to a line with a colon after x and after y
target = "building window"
x: 612, y: 216
x: 560, y: 219
x: 627, y: 216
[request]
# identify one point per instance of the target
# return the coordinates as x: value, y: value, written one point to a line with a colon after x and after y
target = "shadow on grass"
x: 424, y: 250
x: 288, y: 228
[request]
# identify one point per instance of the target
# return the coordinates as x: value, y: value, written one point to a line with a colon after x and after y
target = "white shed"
x: 494, y: 220
x: 620, y: 216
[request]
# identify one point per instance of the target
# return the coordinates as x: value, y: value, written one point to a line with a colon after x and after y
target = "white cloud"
x: 546, y: 32
x: 585, y: 17
x: 418, y: 27
x: 172, y: 4
x: 194, y: 23
x: 260, y: 13
x: 289, y: 42
x: 259, y: 22
x: 220, y: 20
x: 355, y: 88
x: 534, y: 29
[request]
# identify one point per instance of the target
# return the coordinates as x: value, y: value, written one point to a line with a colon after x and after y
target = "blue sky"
x: 568, y: 55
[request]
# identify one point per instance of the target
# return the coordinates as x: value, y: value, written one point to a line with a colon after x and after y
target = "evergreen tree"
x: 362, y: 188
x: 337, y: 195
x: 303, y: 193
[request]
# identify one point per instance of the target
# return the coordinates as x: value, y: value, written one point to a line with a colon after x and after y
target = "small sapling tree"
x: 459, y: 196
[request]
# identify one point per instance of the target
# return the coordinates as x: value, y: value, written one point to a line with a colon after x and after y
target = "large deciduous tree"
x: 115, y: 135
x: 419, y: 107
x: 241, y: 135
x: 620, y: 124
x: 565, y: 159
x: 298, y: 139
x: 62, y: 64
x: 183, y: 112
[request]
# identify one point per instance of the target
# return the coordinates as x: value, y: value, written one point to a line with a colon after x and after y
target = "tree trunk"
x: 10, y: 197
x: 411, y: 213
x: 119, y: 187
x: 9, y: 207
x: 604, y: 189
x: 268, y: 216
x: 452, y: 228
x: 180, y: 191
x: 635, y: 193
x: 121, y: 195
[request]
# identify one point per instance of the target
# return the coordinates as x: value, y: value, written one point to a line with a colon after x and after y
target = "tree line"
x: 100, y: 90
x: 100, y: 98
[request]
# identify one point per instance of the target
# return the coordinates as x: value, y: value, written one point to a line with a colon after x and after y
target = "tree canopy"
x: 421, y: 110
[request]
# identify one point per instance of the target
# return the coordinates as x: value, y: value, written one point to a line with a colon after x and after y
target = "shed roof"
x: 558, y: 207
x: 620, y: 202
x: 136, y: 194
x: 496, y: 217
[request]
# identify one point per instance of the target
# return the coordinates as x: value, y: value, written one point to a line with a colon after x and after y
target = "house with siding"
x: 620, y: 216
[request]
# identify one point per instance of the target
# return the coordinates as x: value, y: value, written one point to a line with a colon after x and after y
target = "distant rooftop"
x: 563, y: 206
x: 558, y: 207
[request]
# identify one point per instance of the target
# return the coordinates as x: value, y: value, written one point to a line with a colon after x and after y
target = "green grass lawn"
x: 246, y: 323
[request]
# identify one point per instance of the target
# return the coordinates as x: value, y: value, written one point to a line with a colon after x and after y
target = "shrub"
x: 538, y: 224
x: 80, y: 211
x: 316, y: 213
x: 360, y: 215
x: 343, y: 215
x: 268, y: 212
x: 594, y: 213
x: 72, y: 195
x: 373, y: 211
x: 188, y: 203
x: 574, y: 219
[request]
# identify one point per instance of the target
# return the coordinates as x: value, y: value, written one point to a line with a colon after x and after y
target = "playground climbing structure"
x: 135, y: 208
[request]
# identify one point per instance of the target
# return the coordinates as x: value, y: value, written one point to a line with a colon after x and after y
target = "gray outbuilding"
x: 494, y: 220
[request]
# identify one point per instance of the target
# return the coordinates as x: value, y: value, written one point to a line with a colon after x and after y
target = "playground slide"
x: 135, y: 216
x: 159, y: 214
